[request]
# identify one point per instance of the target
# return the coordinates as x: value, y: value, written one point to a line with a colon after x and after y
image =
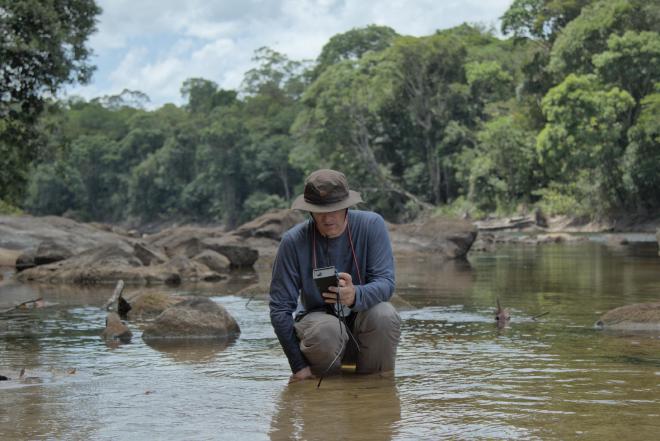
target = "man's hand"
x: 303, y: 374
x: 346, y: 291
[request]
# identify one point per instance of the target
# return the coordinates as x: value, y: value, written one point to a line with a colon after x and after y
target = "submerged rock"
x: 115, y: 329
x: 636, y: 317
x: 195, y: 318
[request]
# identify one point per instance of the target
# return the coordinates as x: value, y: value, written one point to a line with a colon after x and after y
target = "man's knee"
x: 382, y: 316
x: 322, y: 330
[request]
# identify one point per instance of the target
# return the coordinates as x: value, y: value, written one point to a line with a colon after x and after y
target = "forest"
x: 558, y: 110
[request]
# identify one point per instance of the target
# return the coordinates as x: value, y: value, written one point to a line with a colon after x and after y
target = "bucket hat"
x: 325, y: 191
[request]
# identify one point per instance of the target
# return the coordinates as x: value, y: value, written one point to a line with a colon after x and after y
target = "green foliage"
x: 352, y: 45
x: 556, y: 199
x: 6, y: 208
x: 259, y: 203
x: 204, y: 95
x: 42, y: 47
x: 540, y: 19
x: 53, y: 190
x: 500, y: 170
x: 631, y: 61
x: 588, y: 34
x: 564, y: 115
x: 585, y: 132
x: 642, y: 158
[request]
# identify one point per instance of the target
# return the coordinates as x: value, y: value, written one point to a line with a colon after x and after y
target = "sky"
x: 153, y: 46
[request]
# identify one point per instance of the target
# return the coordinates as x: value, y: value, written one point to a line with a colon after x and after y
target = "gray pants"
x: 325, y: 342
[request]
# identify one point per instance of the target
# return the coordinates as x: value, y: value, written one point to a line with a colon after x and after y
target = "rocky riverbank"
x: 61, y: 251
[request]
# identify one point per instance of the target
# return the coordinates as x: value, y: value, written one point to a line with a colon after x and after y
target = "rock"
x: 105, y: 264
x: 149, y: 304
x: 540, y: 218
x: 50, y: 251
x: 191, y: 270
x: 184, y: 240
x: 635, y: 317
x: 502, y: 315
x: 148, y: 255
x: 115, y: 329
x: 9, y: 257
x: 617, y: 240
x: 27, y: 232
x: 215, y: 261
x: 272, y: 225
x: 239, y: 254
x: 443, y: 237
x: 196, y: 318
x: 25, y: 260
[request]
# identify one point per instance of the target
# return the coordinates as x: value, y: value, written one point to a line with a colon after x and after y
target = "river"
x: 458, y: 376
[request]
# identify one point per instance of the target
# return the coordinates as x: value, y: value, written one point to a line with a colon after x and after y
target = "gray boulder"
x: 635, y: 317
x: 148, y: 255
x: 191, y: 270
x: 150, y: 304
x: 105, y: 264
x: 240, y: 255
x: 271, y: 225
x: 195, y: 318
x: 443, y: 237
x: 215, y: 261
x: 28, y: 232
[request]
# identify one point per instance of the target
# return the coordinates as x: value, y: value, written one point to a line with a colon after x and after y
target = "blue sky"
x: 154, y: 45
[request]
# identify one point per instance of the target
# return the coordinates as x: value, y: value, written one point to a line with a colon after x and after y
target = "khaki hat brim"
x: 301, y: 204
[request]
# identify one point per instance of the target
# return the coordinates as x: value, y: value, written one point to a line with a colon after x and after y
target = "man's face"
x: 330, y: 224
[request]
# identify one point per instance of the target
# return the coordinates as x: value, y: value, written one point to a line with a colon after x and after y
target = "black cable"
x: 341, y: 318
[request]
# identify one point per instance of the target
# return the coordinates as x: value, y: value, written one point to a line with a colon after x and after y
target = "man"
x: 313, y: 327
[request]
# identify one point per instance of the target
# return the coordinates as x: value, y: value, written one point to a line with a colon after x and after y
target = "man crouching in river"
x: 352, y: 321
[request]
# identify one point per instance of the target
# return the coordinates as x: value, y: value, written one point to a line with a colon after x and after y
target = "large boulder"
x: 271, y: 225
x: 148, y: 255
x: 185, y: 240
x: 28, y: 232
x: 46, y: 252
x: 105, y: 264
x: 150, y: 304
x: 240, y: 254
x: 442, y: 237
x: 195, y: 318
x: 8, y: 257
x: 191, y: 270
x: 215, y: 261
x: 635, y: 317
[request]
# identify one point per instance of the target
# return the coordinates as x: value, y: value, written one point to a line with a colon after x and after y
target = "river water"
x: 457, y: 376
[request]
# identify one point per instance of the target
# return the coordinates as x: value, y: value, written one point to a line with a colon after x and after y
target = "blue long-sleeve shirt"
x: 292, y: 273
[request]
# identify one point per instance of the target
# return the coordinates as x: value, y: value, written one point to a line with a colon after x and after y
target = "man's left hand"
x: 346, y: 291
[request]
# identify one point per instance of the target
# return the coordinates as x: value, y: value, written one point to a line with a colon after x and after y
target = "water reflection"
x: 344, y: 407
x: 191, y: 351
x: 457, y: 376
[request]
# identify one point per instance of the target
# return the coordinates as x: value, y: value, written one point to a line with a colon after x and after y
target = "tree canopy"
x: 562, y: 113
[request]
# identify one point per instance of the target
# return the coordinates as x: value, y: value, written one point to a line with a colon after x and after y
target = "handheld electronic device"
x: 325, y: 278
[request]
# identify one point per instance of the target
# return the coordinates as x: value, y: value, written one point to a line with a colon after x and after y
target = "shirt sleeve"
x: 379, y: 278
x: 284, y: 291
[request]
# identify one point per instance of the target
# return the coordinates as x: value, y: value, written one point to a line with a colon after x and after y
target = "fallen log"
x: 119, y: 288
x: 36, y: 303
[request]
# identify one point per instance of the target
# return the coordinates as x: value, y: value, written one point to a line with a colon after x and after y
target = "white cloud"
x: 154, y: 45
